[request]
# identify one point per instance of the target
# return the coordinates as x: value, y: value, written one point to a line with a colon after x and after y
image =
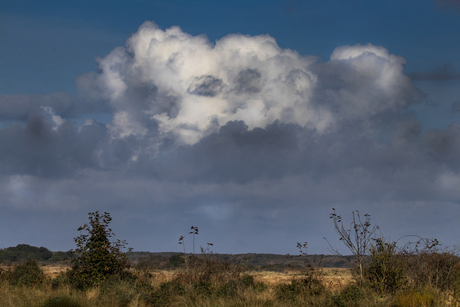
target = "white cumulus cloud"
x: 186, y: 87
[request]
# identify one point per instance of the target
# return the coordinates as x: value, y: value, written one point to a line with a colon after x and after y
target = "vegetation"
x: 22, y: 252
x: 357, y: 238
x: 97, y: 257
x: 26, y: 274
x: 416, y: 274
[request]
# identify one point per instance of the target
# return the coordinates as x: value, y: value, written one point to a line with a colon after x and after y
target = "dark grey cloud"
x: 44, y: 149
x: 206, y: 86
x: 444, y: 146
x: 18, y: 107
x: 444, y: 73
x: 248, y: 81
x: 433, y: 76
x: 274, y: 180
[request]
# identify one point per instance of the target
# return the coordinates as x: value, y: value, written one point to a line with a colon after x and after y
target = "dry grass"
x: 334, y: 278
x: 54, y: 270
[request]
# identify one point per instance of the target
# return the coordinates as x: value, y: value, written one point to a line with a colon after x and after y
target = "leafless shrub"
x: 357, y: 238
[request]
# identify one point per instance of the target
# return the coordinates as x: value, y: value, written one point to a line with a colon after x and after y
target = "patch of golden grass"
x: 333, y: 278
x: 54, y: 270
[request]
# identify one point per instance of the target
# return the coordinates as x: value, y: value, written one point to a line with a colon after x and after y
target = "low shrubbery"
x: 26, y: 274
x: 417, y: 274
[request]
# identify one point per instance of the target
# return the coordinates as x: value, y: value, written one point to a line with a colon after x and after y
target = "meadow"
x: 99, y: 273
x: 202, y: 280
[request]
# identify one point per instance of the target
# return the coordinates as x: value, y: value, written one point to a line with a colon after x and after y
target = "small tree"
x: 357, y: 238
x: 97, y: 257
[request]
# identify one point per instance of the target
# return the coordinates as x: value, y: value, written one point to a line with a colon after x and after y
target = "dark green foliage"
x: 64, y: 278
x: 247, y: 281
x: 232, y: 287
x: 22, y: 252
x: 176, y: 260
x: 97, y: 257
x: 61, y: 256
x: 268, y: 262
x: 120, y: 291
x: 288, y: 291
x: 228, y: 289
x: 384, y: 271
x: 349, y: 297
x: 26, y: 274
x: 165, y: 293
x: 307, y: 286
x: 152, y: 262
x: 203, y: 288
x: 60, y: 301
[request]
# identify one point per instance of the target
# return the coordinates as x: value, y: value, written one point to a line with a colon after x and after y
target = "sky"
x: 250, y: 120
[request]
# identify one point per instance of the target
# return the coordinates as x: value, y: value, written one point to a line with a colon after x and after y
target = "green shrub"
x: 26, y: 274
x: 165, y: 293
x: 306, y: 286
x: 121, y: 292
x: 203, y: 288
x: 349, y: 296
x: 176, y: 260
x: 288, y: 291
x: 385, y: 271
x: 97, y: 257
x: 228, y: 289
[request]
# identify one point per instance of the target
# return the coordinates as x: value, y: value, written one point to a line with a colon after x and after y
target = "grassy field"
x: 123, y: 294
x: 216, y: 285
x: 333, y: 278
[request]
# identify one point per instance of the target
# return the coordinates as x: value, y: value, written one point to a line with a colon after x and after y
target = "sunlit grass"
x: 339, y: 290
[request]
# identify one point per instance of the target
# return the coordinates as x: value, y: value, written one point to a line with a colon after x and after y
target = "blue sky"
x: 347, y: 104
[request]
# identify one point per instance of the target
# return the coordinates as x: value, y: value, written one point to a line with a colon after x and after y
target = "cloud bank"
x: 236, y: 132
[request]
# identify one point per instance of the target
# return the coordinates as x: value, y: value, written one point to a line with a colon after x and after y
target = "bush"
x: 209, y: 269
x: 431, y: 266
x: 27, y: 274
x: 164, y: 295
x: 117, y: 291
x: 384, y: 271
x: 306, y: 286
x: 176, y: 260
x: 416, y: 298
x: 350, y: 296
x: 98, y: 258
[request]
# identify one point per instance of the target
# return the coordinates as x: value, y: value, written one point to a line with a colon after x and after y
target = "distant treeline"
x: 23, y: 252
x: 269, y: 262
x: 272, y: 262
